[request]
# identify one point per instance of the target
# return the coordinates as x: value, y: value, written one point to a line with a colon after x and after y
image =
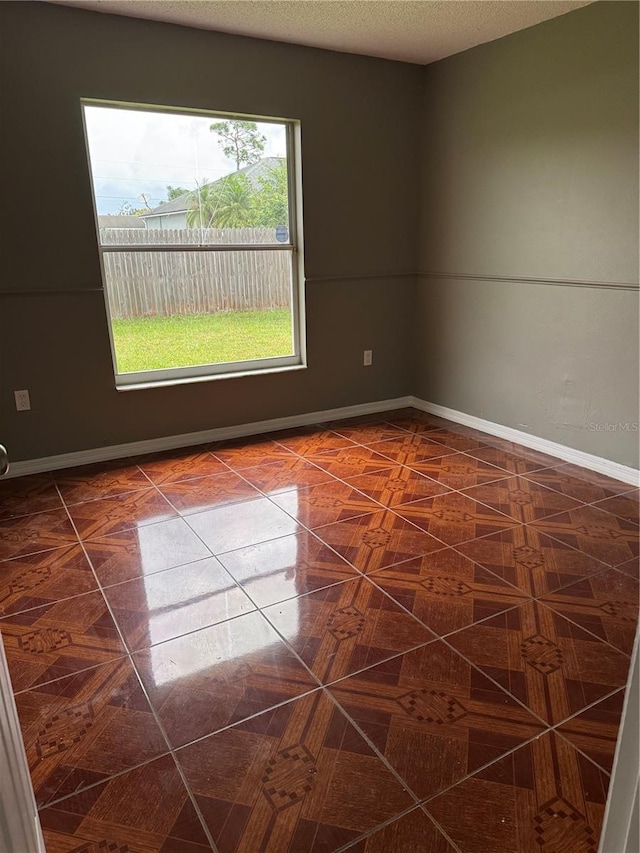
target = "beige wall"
x: 530, y: 170
x: 527, y: 148
x: 360, y: 131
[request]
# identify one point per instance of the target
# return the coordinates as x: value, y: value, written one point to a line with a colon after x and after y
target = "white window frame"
x: 294, y: 245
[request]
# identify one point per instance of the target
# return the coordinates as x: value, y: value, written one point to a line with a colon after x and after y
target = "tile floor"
x: 385, y: 635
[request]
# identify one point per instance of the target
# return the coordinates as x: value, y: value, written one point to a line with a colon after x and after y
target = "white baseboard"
x: 170, y: 442
x: 136, y: 448
x: 623, y: 473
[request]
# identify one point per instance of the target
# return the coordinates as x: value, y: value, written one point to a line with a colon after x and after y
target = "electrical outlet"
x: 23, y: 403
x: 368, y: 357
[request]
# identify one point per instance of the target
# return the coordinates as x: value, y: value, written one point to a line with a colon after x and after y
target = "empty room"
x: 319, y: 426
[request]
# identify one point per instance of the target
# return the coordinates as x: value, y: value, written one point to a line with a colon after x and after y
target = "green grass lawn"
x: 155, y: 343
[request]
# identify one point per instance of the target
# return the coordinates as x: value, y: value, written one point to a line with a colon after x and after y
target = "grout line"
x: 378, y: 827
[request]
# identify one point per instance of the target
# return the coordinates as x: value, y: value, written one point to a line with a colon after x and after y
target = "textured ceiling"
x: 419, y: 31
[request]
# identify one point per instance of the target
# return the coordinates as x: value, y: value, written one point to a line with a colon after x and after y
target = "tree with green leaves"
x: 175, y: 192
x: 240, y: 141
x: 271, y: 201
x: 228, y: 203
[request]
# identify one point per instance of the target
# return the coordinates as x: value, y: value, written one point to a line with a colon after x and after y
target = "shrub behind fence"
x: 146, y: 284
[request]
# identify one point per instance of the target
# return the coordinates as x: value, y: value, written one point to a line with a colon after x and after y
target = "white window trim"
x: 223, y: 370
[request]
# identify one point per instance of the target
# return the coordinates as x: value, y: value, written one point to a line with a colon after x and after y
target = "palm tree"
x: 227, y: 203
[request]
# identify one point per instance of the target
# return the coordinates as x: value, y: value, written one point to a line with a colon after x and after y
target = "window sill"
x: 210, y: 377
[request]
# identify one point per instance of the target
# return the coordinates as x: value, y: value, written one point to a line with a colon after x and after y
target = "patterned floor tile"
x: 123, y: 512
x: 326, y: 503
x: 26, y: 495
x: 447, y: 591
x: 459, y: 471
x: 605, y: 604
x: 595, y: 731
x: 455, y: 518
x: 165, y: 605
x: 103, y: 480
x: 286, y: 568
x: 285, y: 781
x: 434, y: 717
x: 520, y: 461
x: 375, y: 541
x: 27, y: 534
x: 86, y: 727
x: 578, y: 483
x: 396, y: 486
x: 631, y: 568
x: 313, y: 440
x: 60, y: 639
x: 349, y: 463
x: 457, y: 440
x: 198, y: 495
x: 413, y: 833
x: 521, y: 499
x: 624, y: 506
x: 410, y: 449
x: 218, y: 676
x: 250, y: 453
x: 548, y: 663
x: 344, y: 628
x: 176, y: 465
x: 530, y: 560
x: 368, y: 433
x: 144, y: 550
x: 545, y: 796
x: 595, y: 532
x: 231, y: 527
x: 42, y: 578
x: 147, y: 810
x: 288, y: 474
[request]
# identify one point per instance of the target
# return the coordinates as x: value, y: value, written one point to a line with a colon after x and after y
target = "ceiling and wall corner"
x: 414, y: 31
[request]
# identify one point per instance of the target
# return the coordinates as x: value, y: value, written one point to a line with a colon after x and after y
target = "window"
x: 199, y: 231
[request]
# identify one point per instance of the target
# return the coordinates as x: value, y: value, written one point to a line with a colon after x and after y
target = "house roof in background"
x: 253, y: 172
x: 419, y: 31
x: 115, y: 221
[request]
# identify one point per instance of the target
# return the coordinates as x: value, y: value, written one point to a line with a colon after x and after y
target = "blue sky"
x: 135, y: 153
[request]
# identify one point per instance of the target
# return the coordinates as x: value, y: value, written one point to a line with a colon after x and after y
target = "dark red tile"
x: 521, y: 499
x: 28, y: 534
x: 595, y: 532
x: 326, y: 503
x: 165, y: 605
x: 344, y: 628
x: 396, y: 486
x: 433, y: 717
x: 26, y: 495
x: 43, y: 578
x: 367, y: 433
x: 545, y: 796
x: 375, y: 541
x: 447, y: 591
x: 410, y: 449
x: 218, y: 676
x: 550, y: 664
x: 459, y: 471
x: 421, y: 422
x: 530, y: 560
x: 630, y: 568
x: 286, y: 568
x: 286, y: 475
x: 203, y: 493
x: 103, y: 480
x: 579, y: 483
x: 595, y: 730
x: 123, y: 512
x: 457, y: 440
x: 624, y: 506
x: 314, y: 440
x: 298, y: 779
x: 86, y: 727
x: 413, y: 833
x: 248, y: 453
x: 455, y: 518
x: 350, y: 462
x: 176, y: 465
x: 517, y: 460
x: 605, y: 604
x: 59, y: 639
x: 144, y: 550
x: 231, y: 527
x: 147, y: 810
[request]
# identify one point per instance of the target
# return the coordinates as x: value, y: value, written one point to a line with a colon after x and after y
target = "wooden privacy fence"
x: 146, y: 284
